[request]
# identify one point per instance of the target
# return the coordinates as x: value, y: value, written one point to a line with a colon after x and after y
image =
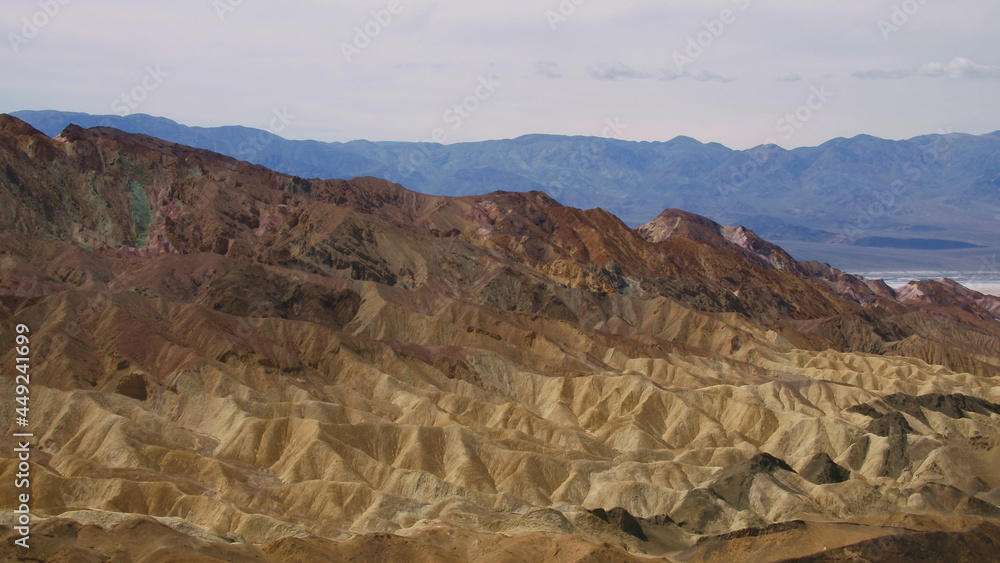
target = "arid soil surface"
x: 230, y: 364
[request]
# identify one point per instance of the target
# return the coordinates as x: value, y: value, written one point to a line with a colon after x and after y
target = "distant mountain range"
x: 928, y: 202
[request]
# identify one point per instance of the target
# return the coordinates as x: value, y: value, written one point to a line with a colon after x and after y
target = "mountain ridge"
x: 238, y: 363
x: 819, y: 198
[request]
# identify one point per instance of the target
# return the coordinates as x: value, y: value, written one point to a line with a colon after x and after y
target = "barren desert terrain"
x: 231, y: 364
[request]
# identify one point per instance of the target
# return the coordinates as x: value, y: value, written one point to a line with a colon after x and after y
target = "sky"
x: 737, y: 72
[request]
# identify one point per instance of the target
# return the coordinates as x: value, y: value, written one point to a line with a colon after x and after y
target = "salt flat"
x: 988, y: 283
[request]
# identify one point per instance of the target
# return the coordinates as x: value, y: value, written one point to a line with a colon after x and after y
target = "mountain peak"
x: 674, y: 222
x: 10, y: 126
x: 685, y: 140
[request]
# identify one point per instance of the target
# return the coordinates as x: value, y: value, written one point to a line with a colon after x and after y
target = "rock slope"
x: 235, y: 364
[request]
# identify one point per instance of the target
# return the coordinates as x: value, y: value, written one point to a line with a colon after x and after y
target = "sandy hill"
x: 234, y: 364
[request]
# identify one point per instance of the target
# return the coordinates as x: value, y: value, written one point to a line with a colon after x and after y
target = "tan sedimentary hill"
x: 233, y: 364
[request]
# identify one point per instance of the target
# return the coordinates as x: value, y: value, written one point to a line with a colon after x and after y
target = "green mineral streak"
x: 194, y: 172
x: 142, y: 215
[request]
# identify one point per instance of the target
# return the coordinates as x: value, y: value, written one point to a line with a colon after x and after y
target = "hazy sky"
x: 738, y: 72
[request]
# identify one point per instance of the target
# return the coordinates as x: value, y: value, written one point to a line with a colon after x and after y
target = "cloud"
x: 703, y: 76
x: 433, y: 53
x: 616, y: 71
x: 883, y: 74
x: 620, y: 71
x: 958, y: 68
x: 786, y: 76
x: 548, y: 69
